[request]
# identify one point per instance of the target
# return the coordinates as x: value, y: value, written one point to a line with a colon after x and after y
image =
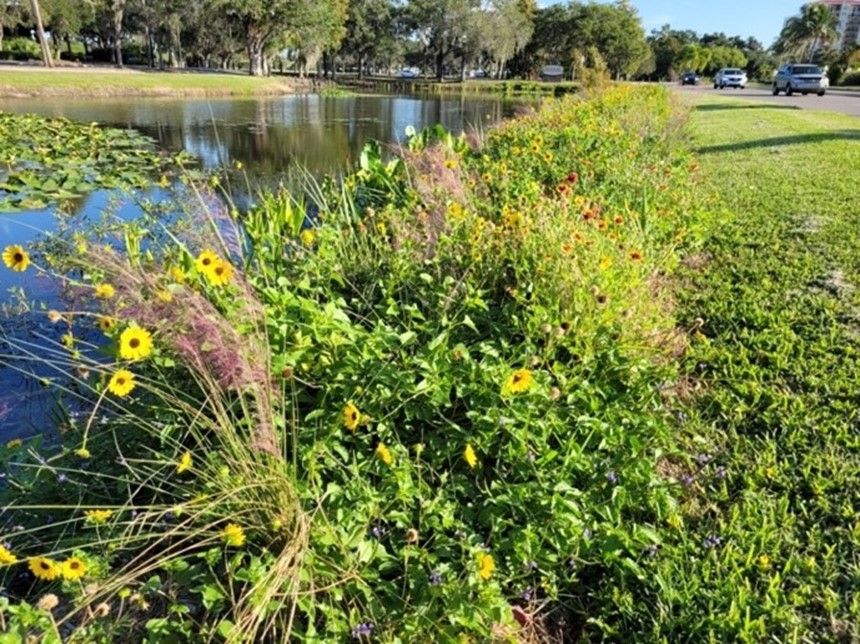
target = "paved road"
x: 836, y: 100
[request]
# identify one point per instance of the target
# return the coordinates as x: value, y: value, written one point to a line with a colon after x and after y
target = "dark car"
x: 690, y: 78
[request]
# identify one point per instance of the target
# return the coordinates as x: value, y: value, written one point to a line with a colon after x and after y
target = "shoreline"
x: 76, y: 82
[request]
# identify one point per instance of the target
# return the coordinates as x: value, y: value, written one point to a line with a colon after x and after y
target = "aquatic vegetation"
x: 46, y: 160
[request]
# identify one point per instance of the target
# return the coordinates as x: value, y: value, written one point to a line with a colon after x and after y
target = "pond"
x: 267, y: 135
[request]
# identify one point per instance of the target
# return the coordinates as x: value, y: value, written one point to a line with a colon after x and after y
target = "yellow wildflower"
x: 107, y: 323
x: 67, y: 340
x: 605, y: 263
x: 44, y: 568
x: 205, y: 260
x: 16, y: 258
x: 105, y: 291
x: 764, y: 562
x: 164, y: 295
x: 520, y: 381
x: 220, y: 272
x: 15, y: 443
x: 73, y: 568
x: 233, y: 535
x: 384, y: 454
x: 185, y: 463
x: 451, y: 164
x: 351, y: 417
x: 177, y: 274
x: 6, y: 556
x: 83, y: 452
x: 470, y: 456
x: 122, y: 383
x: 486, y: 566
x: 164, y: 182
x: 308, y: 236
x: 98, y: 517
x: 135, y: 343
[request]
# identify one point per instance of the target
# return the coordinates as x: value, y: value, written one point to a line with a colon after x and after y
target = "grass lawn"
x: 93, y: 83
x: 769, y: 409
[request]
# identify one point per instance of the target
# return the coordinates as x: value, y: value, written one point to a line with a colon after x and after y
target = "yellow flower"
x: 15, y: 443
x: 233, y: 535
x: 83, y: 452
x: 73, y: 568
x: 518, y: 382
x: 238, y: 165
x: 98, y: 517
x: 470, y: 456
x: 67, y: 340
x: 135, y: 343
x: 105, y: 291
x: 486, y: 566
x: 16, y: 258
x: 205, y: 260
x: 122, y: 383
x: 164, y: 295
x: 605, y: 263
x: 451, y: 164
x: 308, y: 236
x: 107, y: 323
x: 164, y: 182
x: 178, y: 275
x: 6, y: 556
x: 184, y: 463
x: 351, y: 417
x: 220, y: 272
x: 384, y: 454
x: 764, y: 562
x: 44, y: 568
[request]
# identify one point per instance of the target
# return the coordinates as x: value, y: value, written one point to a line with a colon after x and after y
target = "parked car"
x: 409, y: 72
x: 730, y: 77
x: 800, y: 78
x: 690, y: 78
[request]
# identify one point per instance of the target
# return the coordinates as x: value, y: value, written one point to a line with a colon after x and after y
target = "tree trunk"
x: 255, y: 54
x: 440, y: 61
x: 1, y: 37
x: 360, y: 66
x: 118, y: 9
x: 40, y: 31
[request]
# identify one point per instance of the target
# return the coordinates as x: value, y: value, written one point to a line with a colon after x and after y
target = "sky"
x: 762, y: 19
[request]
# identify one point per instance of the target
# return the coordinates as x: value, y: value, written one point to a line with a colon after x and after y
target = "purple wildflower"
x: 612, y: 477
x: 435, y: 578
x: 687, y: 480
x: 703, y: 459
x: 362, y: 630
x: 62, y: 478
x: 721, y: 472
x: 712, y: 541
x: 527, y: 594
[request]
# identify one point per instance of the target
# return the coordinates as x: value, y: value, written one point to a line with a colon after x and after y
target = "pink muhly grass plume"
x: 204, y: 340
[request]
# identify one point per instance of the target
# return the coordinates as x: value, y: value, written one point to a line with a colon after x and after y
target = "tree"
x: 369, y: 24
x: 505, y: 27
x: 117, y: 9
x: 615, y: 30
x: 805, y: 34
x: 262, y: 22
x: 36, y: 13
x: 11, y: 15
x: 442, y: 26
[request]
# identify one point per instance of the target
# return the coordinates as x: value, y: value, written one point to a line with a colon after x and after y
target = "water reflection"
x: 324, y: 134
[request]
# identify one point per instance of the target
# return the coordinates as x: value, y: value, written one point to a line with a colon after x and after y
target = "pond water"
x: 267, y: 135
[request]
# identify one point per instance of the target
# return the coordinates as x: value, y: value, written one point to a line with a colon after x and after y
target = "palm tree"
x: 805, y: 34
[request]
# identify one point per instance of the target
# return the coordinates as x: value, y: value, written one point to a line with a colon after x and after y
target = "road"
x: 844, y: 101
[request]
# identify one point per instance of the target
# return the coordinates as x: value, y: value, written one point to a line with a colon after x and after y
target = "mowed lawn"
x: 769, y: 409
x: 96, y: 83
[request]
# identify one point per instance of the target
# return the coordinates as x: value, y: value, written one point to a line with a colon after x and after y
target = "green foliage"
x: 48, y: 160
x: 768, y: 412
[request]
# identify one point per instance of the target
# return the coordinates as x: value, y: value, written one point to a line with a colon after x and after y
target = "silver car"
x: 730, y: 77
x: 800, y: 78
